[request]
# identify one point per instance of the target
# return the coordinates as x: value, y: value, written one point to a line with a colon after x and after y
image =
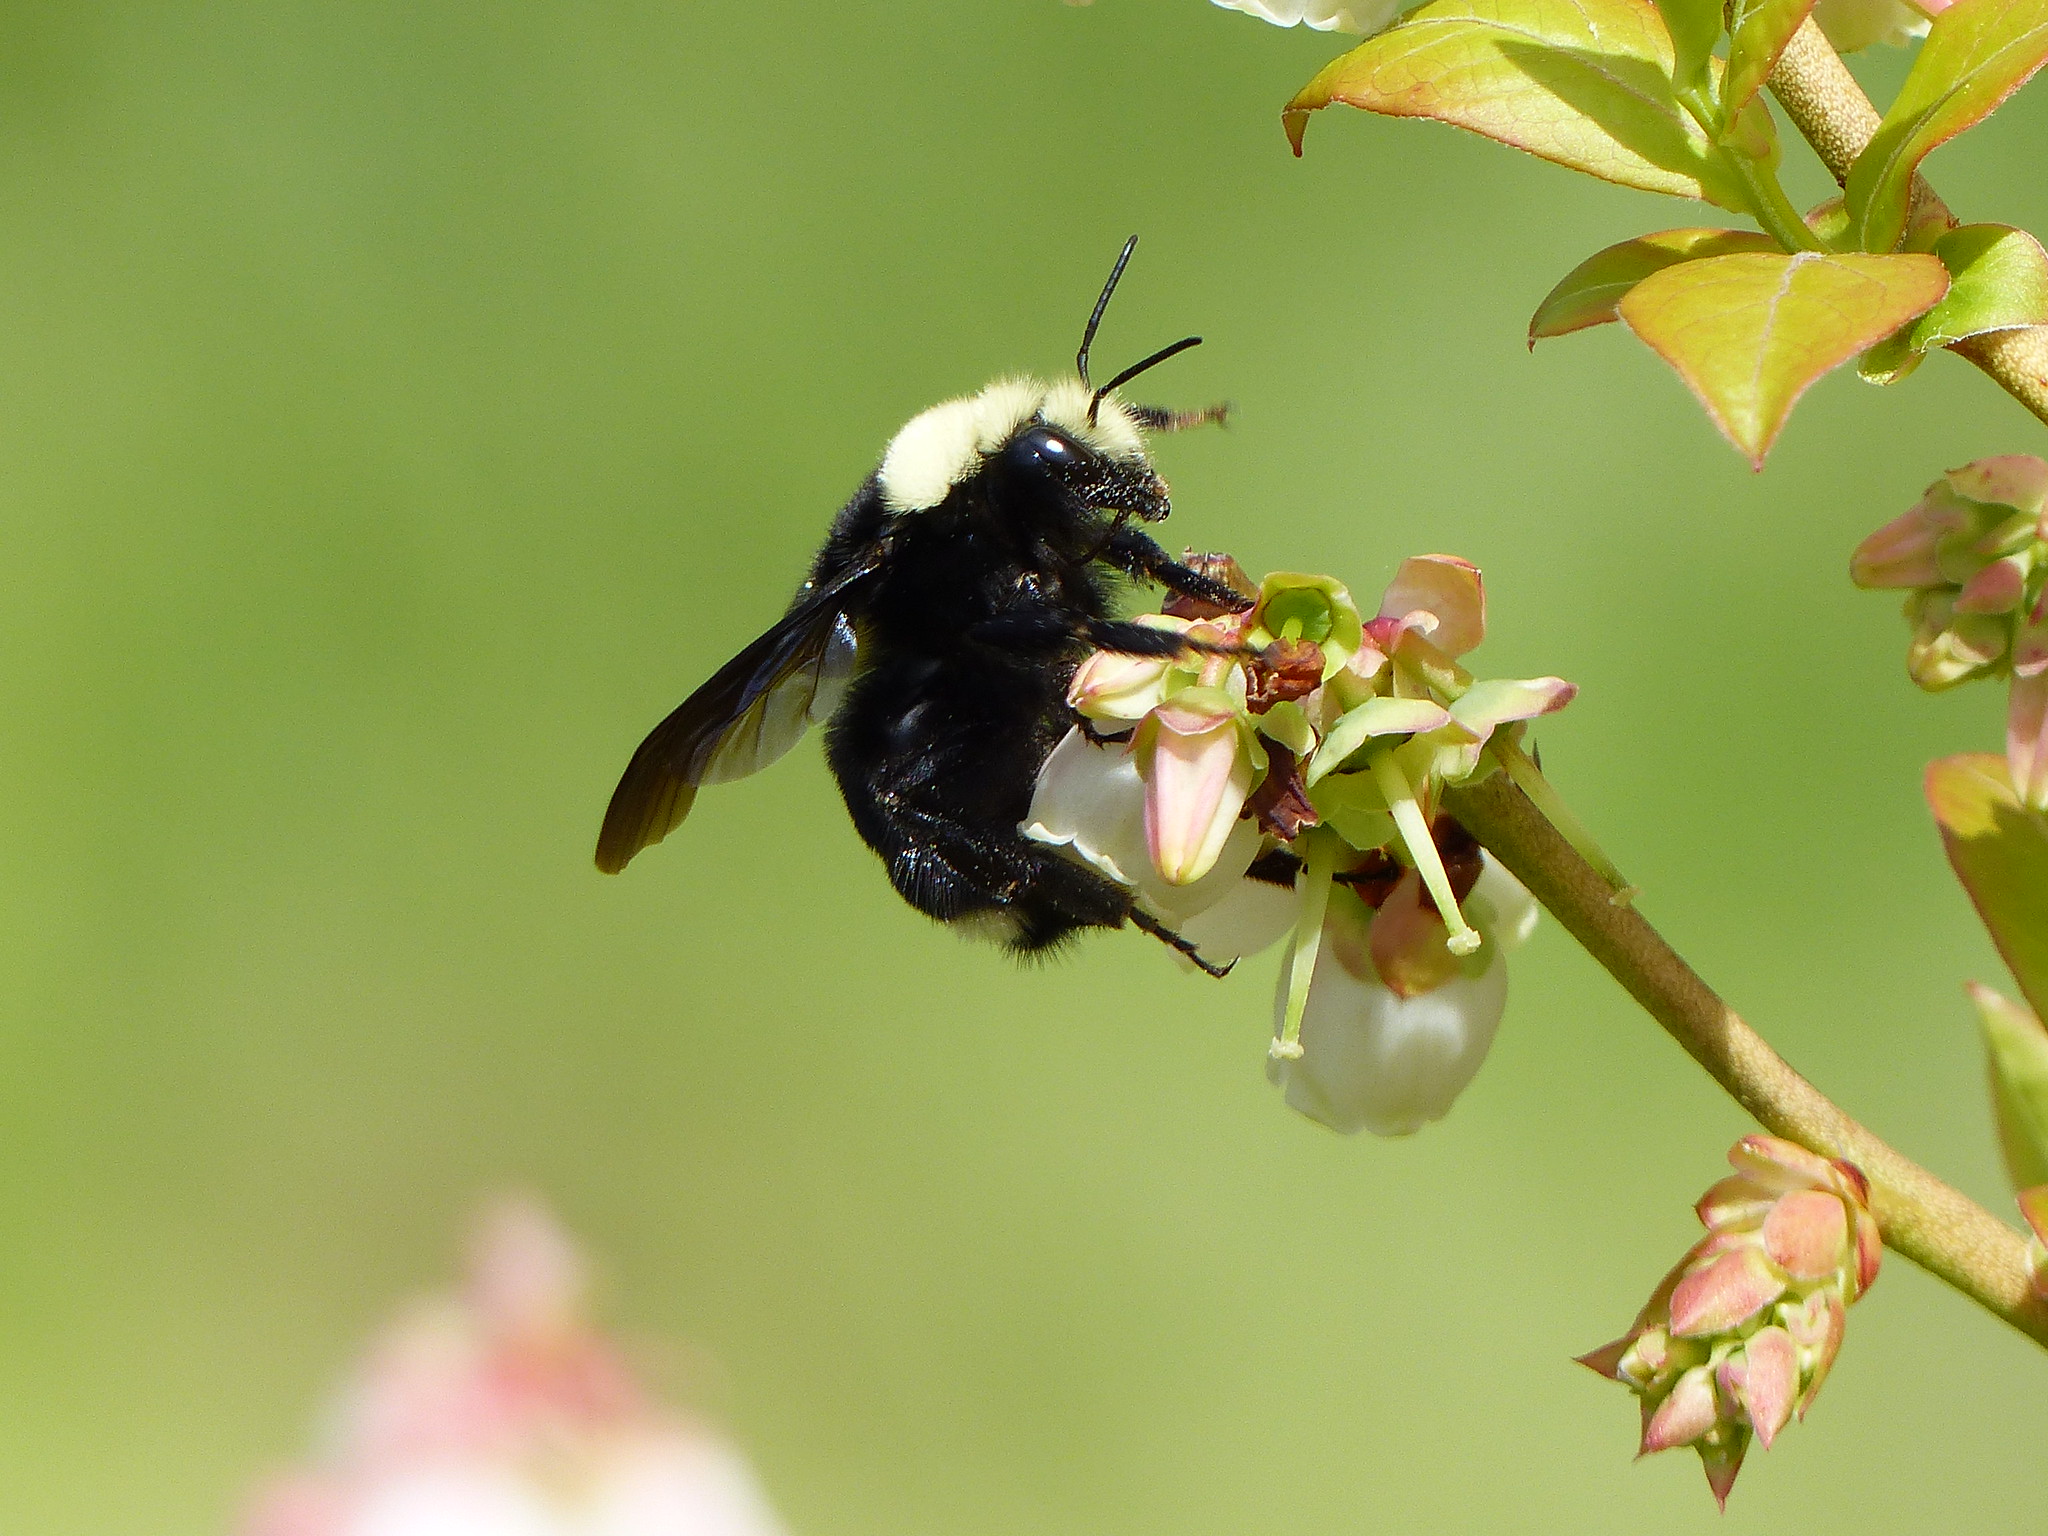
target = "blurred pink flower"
x: 498, y: 1411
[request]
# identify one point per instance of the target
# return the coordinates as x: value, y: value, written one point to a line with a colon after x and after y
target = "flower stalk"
x: 1921, y: 1218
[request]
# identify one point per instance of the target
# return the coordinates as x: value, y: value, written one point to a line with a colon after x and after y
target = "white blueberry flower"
x: 1364, y: 16
x: 1392, y: 1058
x: 1090, y: 800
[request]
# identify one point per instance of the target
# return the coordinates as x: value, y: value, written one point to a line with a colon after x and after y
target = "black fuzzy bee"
x: 938, y: 631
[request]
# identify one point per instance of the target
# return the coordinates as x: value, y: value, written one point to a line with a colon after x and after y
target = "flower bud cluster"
x: 1282, y: 772
x: 1972, y: 557
x: 1740, y: 1335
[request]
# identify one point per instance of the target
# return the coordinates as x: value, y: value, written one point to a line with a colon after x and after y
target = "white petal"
x: 1090, y: 800
x: 1251, y: 916
x: 1366, y: 16
x: 680, y: 1485
x: 1372, y: 1060
x: 453, y: 1501
x: 1501, y: 907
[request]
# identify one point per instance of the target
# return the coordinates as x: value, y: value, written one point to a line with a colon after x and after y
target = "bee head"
x: 1060, y: 444
x: 1070, y: 445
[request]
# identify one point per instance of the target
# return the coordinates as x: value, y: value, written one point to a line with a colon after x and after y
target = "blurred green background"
x: 405, y: 405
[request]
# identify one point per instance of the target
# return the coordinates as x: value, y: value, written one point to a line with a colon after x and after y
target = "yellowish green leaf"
x: 1978, y: 53
x: 1591, y: 293
x: 1999, y: 850
x: 1750, y: 332
x: 1586, y: 84
x: 1998, y: 281
x: 2016, y: 1048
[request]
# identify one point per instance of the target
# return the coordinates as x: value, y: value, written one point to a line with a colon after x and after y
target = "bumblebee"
x: 936, y: 635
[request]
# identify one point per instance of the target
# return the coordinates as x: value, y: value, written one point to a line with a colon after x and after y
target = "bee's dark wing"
x: 753, y: 710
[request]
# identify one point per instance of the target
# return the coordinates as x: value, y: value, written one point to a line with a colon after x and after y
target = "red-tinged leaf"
x: 1758, y: 31
x: 1999, y: 850
x: 1978, y: 53
x: 1587, y: 85
x: 1749, y: 333
x: 1591, y: 293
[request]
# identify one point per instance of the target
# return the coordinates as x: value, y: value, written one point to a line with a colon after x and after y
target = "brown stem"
x: 1829, y: 108
x: 1941, y: 1230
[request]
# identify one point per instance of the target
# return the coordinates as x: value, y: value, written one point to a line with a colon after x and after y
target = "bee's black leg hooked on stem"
x: 1145, y: 923
x: 1132, y: 550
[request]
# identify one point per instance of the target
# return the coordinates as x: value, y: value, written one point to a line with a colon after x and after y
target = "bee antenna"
x: 1130, y: 373
x: 1095, y: 319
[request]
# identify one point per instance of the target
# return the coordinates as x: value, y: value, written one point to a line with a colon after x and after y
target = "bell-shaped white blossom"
x: 1090, y: 800
x: 1392, y: 1061
x: 1366, y: 16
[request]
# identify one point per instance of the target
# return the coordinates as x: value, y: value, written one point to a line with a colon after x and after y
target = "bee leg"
x: 1101, y: 738
x: 1160, y: 418
x: 1130, y: 549
x: 1275, y: 867
x: 1047, y: 630
x: 1146, y: 923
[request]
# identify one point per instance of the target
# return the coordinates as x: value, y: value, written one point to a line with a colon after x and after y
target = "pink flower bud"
x: 1763, y: 1377
x: 1687, y: 1412
x: 1740, y: 1335
x: 2016, y: 480
x: 1999, y: 587
x: 1195, y: 758
x: 1903, y: 552
x: 1122, y: 689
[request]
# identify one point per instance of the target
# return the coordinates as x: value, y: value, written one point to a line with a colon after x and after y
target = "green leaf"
x: 2017, y: 1050
x: 1891, y: 359
x: 1999, y: 850
x: 1749, y: 333
x: 1591, y: 293
x: 1587, y: 85
x: 1998, y: 281
x: 1758, y: 31
x: 1694, y: 27
x: 1978, y: 53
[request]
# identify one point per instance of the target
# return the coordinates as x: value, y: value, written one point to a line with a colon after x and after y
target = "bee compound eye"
x: 1041, y: 448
